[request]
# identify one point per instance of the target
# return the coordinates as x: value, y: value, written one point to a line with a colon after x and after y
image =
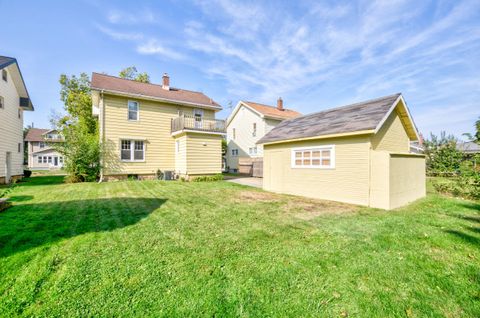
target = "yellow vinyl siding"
x: 407, y: 179
x: 204, y: 154
x: 392, y: 136
x: 347, y: 182
x: 181, y: 155
x: 379, y: 179
x: 153, y: 126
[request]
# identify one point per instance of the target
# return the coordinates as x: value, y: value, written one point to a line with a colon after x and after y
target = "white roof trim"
x: 395, y: 103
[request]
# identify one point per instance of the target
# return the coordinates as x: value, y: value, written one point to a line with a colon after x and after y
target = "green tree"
x: 443, y: 158
x: 131, y: 73
x: 78, y: 127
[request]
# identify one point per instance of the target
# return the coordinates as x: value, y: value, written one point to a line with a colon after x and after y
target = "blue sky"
x: 315, y: 54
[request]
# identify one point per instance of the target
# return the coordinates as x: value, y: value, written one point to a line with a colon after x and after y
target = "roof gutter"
x: 166, y: 100
x: 348, y: 134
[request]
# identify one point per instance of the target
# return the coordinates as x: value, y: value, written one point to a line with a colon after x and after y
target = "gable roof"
x: 16, y: 74
x: 120, y: 86
x: 265, y: 111
x: 36, y: 134
x: 6, y: 61
x: 272, y: 111
x: 364, y: 117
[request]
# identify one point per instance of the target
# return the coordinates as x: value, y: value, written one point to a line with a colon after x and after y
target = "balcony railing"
x: 197, y: 123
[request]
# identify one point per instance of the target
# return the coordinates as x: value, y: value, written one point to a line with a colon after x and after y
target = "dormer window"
x: 4, y: 75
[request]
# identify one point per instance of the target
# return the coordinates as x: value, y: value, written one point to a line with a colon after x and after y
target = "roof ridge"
x: 274, y: 107
x: 153, y: 84
x: 346, y: 106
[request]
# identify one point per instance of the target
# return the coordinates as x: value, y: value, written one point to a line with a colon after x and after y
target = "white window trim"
x: 128, y: 110
x: 314, y: 148
x: 132, y: 149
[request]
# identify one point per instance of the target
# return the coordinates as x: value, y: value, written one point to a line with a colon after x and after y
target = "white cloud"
x: 140, y: 17
x: 116, y: 35
x: 153, y: 47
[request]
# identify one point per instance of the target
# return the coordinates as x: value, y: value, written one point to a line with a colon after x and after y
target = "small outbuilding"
x: 358, y: 154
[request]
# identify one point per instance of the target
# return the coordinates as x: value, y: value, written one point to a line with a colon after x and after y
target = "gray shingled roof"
x: 468, y: 147
x: 6, y: 61
x: 351, y: 118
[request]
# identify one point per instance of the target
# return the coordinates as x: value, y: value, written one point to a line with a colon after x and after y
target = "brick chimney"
x: 280, y: 103
x: 166, y: 82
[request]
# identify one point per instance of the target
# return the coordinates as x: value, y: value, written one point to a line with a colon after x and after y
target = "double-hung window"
x: 322, y: 157
x: 132, y: 110
x: 39, y: 159
x: 132, y: 150
x: 234, y: 152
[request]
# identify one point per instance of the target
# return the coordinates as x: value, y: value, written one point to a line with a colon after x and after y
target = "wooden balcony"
x: 186, y: 122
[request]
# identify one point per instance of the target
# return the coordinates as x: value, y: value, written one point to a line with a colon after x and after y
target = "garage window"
x: 314, y: 157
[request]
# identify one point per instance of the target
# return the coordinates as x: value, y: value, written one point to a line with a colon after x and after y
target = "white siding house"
x: 248, y: 123
x: 14, y: 100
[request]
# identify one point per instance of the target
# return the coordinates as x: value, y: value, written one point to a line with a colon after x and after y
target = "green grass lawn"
x: 156, y: 248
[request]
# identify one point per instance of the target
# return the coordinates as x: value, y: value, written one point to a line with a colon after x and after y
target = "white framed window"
x: 45, y: 159
x: 2, y: 102
x: 39, y: 159
x: 60, y: 159
x: 132, y: 150
x: 41, y: 144
x: 252, y: 150
x: 254, y: 132
x: 234, y: 152
x: 321, y: 157
x: 49, y: 159
x: 133, y: 110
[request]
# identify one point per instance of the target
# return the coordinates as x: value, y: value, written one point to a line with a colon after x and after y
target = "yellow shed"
x: 358, y: 154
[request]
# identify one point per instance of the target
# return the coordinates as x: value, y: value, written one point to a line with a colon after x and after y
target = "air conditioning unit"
x: 168, y: 175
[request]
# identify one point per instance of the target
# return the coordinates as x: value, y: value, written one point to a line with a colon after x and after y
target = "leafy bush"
x: 216, y: 177
x: 465, y: 185
x: 443, y: 158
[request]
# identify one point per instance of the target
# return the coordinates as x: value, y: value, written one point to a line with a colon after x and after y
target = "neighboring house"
x: 248, y: 123
x: 41, y: 154
x: 14, y: 100
x: 356, y: 154
x: 468, y: 147
x: 146, y: 128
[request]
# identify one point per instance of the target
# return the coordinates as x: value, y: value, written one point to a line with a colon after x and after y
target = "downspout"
x: 102, y: 136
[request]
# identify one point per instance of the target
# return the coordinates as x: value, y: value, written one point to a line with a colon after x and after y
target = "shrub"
x: 27, y: 173
x: 216, y: 177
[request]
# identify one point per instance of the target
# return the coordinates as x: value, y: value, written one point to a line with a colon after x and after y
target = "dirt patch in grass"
x: 308, y: 209
x: 256, y: 196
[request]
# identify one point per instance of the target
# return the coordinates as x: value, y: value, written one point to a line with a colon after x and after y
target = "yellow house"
x: 146, y: 128
x: 357, y: 154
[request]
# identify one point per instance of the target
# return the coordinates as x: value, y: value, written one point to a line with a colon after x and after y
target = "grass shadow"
x: 40, y: 180
x: 25, y: 226
x: 20, y: 198
x: 468, y: 238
